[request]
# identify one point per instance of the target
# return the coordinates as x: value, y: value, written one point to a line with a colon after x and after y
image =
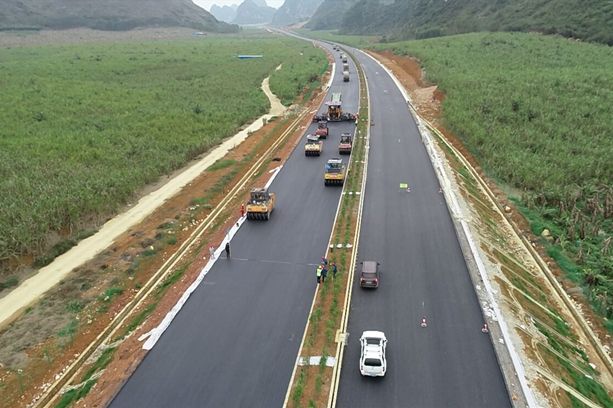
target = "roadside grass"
x: 300, y: 71
x: 86, y: 126
x: 531, y: 300
x: 87, y: 382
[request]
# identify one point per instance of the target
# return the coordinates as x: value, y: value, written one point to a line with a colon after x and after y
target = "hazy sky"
x: 206, y: 4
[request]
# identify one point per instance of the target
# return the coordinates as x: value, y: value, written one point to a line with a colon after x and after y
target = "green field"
x: 358, y: 41
x: 84, y: 127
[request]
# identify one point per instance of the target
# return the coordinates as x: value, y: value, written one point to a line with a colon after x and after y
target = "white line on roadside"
x: 154, y: 335
x: 456, y: 212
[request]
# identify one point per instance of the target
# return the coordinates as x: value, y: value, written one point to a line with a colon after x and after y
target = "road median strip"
x: 316, y: 383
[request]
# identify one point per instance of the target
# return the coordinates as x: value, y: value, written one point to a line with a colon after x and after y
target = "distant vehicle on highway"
x: 369, y: 275
x: 372, y: 356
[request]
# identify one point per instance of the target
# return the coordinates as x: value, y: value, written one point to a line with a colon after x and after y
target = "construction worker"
x: 242, y: 210
x: 324, y: 273
x: 228, y: 250
x: 318, y: 273
x: 334, y: 270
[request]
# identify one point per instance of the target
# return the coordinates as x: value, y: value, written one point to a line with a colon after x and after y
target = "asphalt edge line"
x: 454, y: 208
x: 72, y: 369
x: 155, y: 333
x: 340, y: 348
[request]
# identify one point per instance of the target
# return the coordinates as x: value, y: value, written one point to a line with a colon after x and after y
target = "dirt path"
x: 49, y: 276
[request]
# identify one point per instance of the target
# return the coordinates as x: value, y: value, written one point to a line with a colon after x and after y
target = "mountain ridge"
x: 252, y: 12
x: 113, y: 15
x: 294, y: 11
x: 589, y: 20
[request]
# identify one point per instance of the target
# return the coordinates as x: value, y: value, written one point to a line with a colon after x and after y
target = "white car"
x: 372, y: 356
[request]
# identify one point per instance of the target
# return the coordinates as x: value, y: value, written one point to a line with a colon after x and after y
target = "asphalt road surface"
x: 235, y: 341
x: 450, y: 363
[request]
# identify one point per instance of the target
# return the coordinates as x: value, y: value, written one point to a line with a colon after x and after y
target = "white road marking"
x: 154, y: 335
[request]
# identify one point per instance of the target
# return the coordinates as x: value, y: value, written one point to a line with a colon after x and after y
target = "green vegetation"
x: 85, y: 126
x: 303, y: 69
x: 588, y: 20
x: 9, y: 282
x: 69, y: 330
x: 110, y: 293
x: 87, y: 382
x: 537, y: 113
x: 358, y: 41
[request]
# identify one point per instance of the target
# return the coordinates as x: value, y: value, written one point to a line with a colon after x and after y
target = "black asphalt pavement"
x: 235, y: 341
x: 450, y: 363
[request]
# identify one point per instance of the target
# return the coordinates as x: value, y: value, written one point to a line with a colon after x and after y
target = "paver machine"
x: 335, y: 110
x: 313, y: 146
x: 260, y: 204
x: 344, y: 146
x: 335, y: 172
x: 322, y: 129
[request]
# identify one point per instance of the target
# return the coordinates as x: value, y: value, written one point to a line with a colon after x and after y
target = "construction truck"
x: 313, y: 146
x: 322, y: 129
x: 344, y: 146
x: 335, y: 110
x: 335, y: 172
x: 260, y: 204
x: 345, y: 76
x: 318, y: 117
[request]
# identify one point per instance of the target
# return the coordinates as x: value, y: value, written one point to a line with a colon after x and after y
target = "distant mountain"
x: 584, y: 19
x: 224, y: 13
x: 294, y: 11
x: 250, y: 13
x: 329, y: 15
x: 107, y: 14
